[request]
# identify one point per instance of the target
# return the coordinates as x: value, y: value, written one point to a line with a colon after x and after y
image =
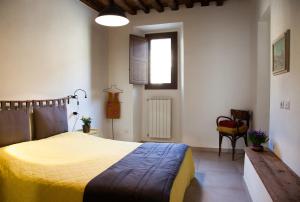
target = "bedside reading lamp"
x: 75, y: 96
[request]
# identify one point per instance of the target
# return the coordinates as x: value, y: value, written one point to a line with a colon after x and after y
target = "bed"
x: 61, y: 167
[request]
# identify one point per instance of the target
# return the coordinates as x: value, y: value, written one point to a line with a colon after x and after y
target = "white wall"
x: 219, y: 58
x: 118, y: 60
x: 284, y: 124
x: 50, y: 48
x: 219, y: 68
x: 262, y: 105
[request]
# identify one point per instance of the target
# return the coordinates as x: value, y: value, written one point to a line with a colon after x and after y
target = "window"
x: 162, y: 71
x: 153, y: 60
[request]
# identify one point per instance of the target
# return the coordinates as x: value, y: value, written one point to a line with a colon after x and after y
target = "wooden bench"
x: 281, y: 183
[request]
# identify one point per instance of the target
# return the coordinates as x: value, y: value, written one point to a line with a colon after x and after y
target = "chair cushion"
x: 230, y: 123
x: 230, y: 127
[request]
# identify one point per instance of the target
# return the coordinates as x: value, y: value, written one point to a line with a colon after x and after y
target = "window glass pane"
x: 160, y: 61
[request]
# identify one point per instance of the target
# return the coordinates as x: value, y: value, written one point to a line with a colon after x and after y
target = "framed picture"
x: 281, y: 54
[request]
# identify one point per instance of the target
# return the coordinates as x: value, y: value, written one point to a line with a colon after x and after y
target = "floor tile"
x: 217, y: 179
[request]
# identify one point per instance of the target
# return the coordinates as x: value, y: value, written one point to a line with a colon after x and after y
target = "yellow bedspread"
x: 58, y: 168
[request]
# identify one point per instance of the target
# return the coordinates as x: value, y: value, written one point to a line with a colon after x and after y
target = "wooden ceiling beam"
x: 173, y: 4
x: 205, y: 3
x: 93, y: 4
x: 126, y: 7
x: 189, y: 3
x: 219, y: 2
x: 158, y: 6
x: 143, y: 6
x: 131, y: 6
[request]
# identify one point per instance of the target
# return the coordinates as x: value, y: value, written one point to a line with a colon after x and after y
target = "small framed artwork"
x: 281, y: 54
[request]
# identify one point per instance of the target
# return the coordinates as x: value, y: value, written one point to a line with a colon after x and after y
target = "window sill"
x: 161, y: 87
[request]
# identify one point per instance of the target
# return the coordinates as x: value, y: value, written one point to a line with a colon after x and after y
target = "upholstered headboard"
x: 14, y: 127
x: 17, y: 121
x: 49, y: 121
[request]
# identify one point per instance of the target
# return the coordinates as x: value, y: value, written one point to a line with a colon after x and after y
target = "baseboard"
x: 225, y: 150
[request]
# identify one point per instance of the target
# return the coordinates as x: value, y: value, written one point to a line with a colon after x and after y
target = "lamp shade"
x: 112, y: 16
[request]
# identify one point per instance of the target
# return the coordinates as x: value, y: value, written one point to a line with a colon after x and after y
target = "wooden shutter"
x: 138, y: 60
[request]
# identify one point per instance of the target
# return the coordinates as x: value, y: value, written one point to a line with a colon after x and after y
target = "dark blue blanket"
x: 145, y: 175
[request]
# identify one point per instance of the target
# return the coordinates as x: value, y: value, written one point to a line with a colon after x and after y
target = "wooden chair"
x: 233, y: 128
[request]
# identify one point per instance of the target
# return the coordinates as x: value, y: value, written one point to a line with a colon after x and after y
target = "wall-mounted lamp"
x: 75, y: 96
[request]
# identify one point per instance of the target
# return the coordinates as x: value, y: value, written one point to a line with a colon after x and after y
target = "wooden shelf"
x: 280, y: 181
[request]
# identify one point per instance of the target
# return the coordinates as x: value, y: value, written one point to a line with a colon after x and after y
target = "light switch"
x: 282, y: 105
x: 287, y: 105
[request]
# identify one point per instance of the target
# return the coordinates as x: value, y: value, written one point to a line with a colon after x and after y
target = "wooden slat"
x: 94, y: 4
x: 219, y: 2
x: 189, y: 3
x: 157, y: 5
x: 142, y: 6
x: 204, y: 2
x: 126, y: 7
x: 280, y: 181
x: 173, y: 4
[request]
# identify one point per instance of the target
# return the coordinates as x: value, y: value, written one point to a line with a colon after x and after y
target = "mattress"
x: 59, y: 168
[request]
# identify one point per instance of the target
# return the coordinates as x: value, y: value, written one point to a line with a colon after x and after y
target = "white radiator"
x: 159, y: 117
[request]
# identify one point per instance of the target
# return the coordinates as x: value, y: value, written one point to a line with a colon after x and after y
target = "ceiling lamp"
x: 112, y: 16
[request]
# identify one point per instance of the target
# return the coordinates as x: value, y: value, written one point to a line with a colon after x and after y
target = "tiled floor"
x: 218, y: 179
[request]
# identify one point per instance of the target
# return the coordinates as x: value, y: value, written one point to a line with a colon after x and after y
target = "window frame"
x: 174, y: 68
